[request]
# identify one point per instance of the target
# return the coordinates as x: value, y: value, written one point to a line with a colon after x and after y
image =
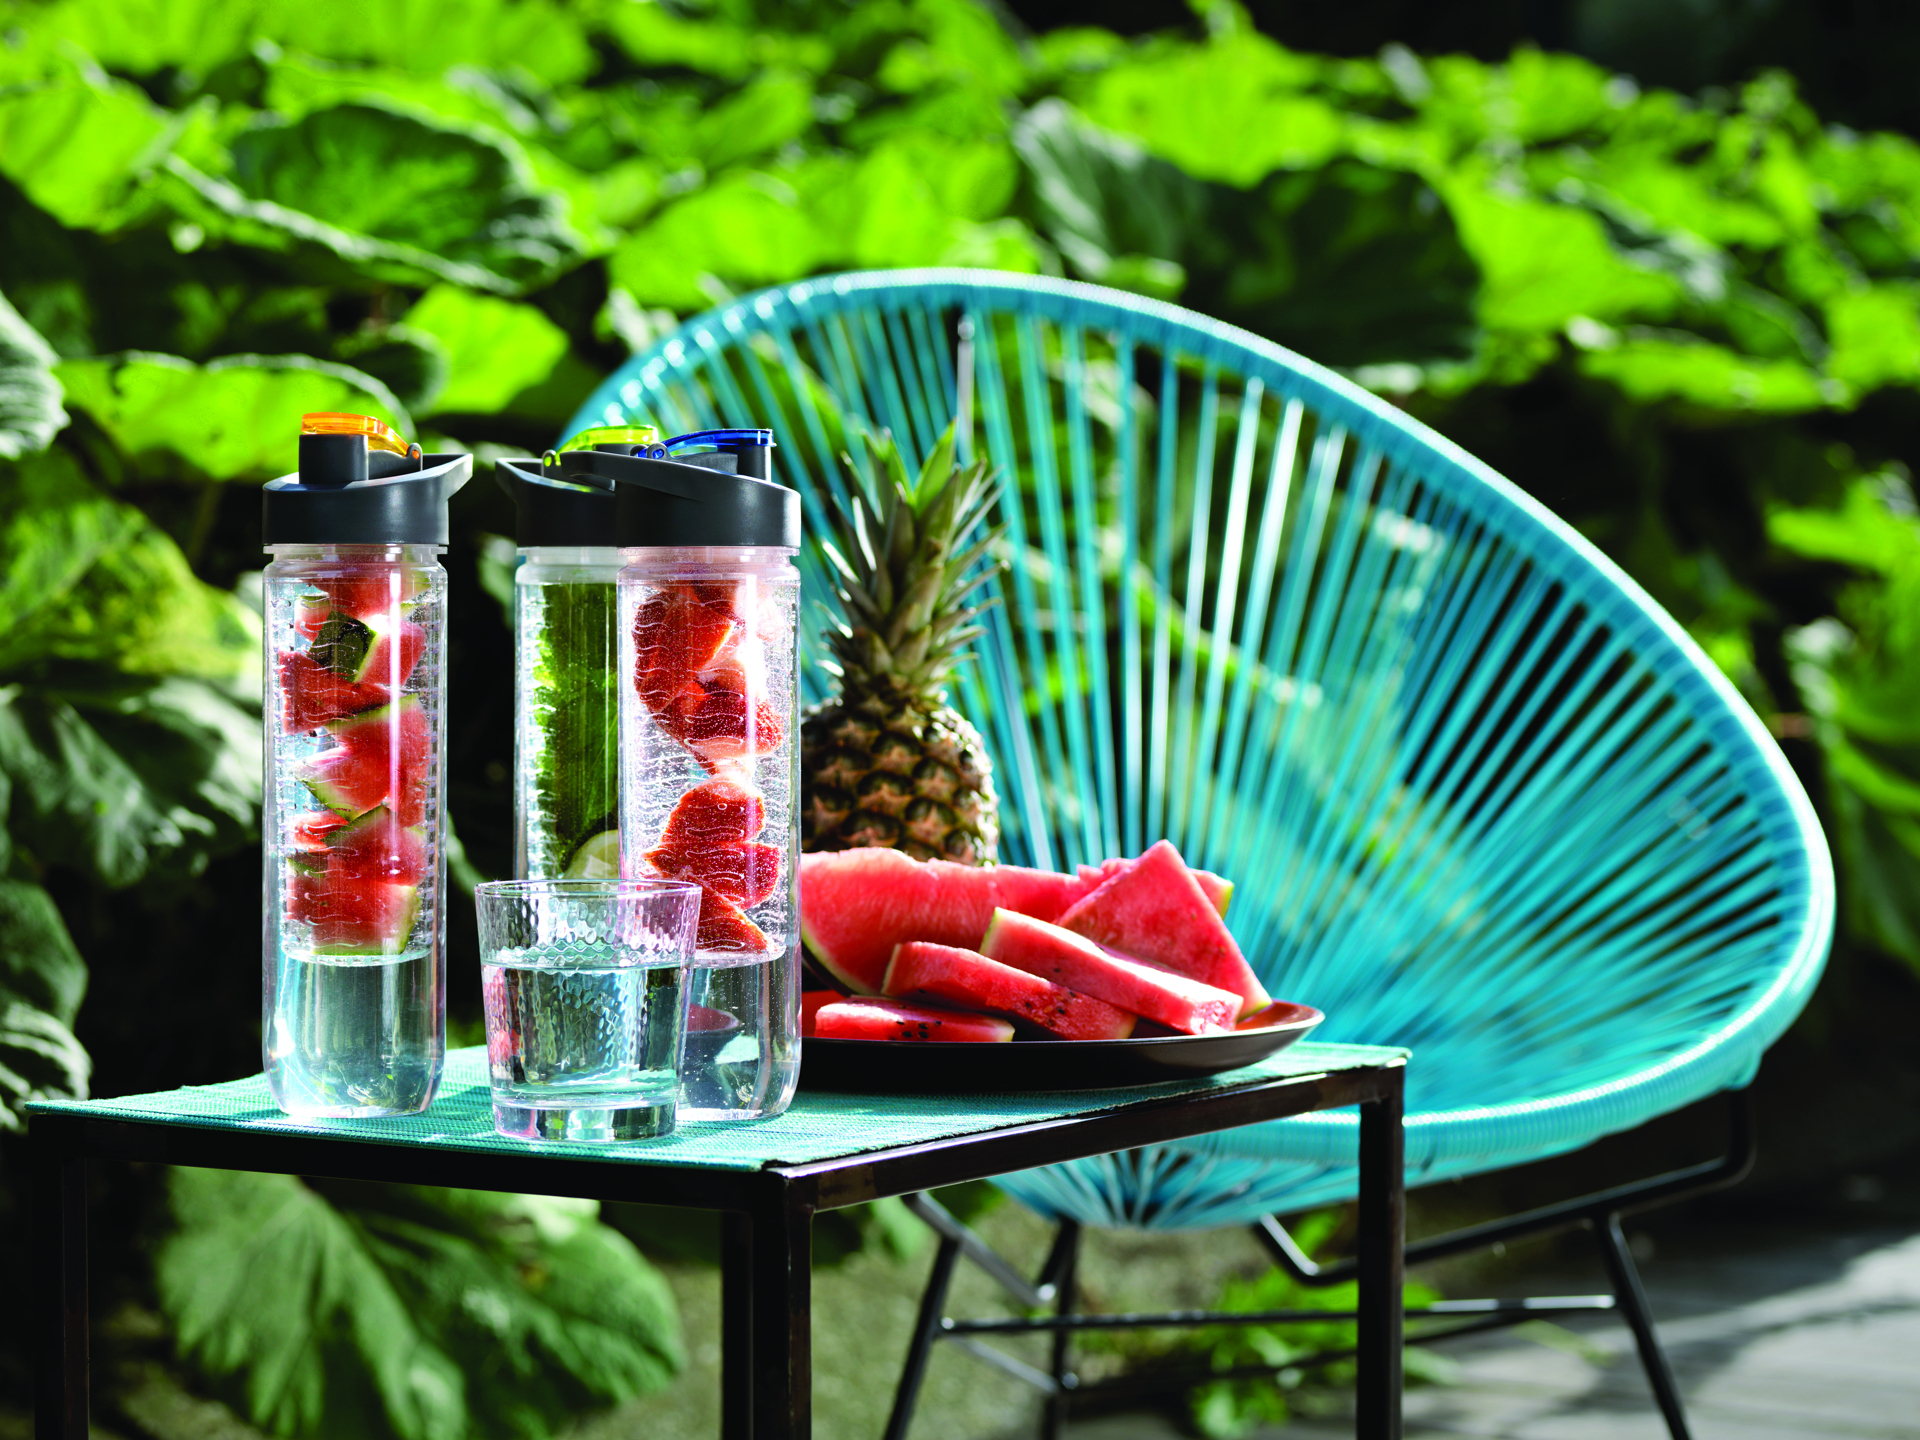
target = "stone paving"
x: 1777, y: 1332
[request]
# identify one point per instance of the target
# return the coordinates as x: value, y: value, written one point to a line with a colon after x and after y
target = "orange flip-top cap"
x: 380, y: 435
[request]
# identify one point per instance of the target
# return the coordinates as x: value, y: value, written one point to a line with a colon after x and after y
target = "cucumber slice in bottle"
x: 598, y: 858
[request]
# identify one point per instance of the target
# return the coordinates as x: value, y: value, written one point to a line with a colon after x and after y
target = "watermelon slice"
x: 724, y: 927
x: 897, y: 1020
x: 1155, y: 910
x: 377, y: 847
x: 966, y: 977
x: 1077, y: 963
x: 856, y: 905
x: 676, y: 635
x: 381, y: 759
x: 312, y: 695
x: 810, y: 1003
x: 311, y: 829
x: 379, y: 650
x: 718, y: 812
x: 310, y: 612
x: 348, y: 916
x: 372, y: 589
x: 746, y: 872
x: 1217, y: 889
x: 719, y: 724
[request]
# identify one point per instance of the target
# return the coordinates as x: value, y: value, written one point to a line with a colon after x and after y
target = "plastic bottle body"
x: 709, y: 776
x: 353, y: 960
x: 566, y: 713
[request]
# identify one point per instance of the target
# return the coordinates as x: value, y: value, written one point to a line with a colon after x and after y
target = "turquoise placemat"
x: 819, y: 1126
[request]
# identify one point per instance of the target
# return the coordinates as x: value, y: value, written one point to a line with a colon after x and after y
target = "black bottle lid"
x: 360, y: 484
x: 555, y: 512
x: 709, y: 488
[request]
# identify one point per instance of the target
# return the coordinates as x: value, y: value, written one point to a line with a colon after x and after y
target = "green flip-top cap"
x: 711, y: 488
x: 358, y: 484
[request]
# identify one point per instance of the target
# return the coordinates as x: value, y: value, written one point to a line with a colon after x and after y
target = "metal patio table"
x: 768, y: 1179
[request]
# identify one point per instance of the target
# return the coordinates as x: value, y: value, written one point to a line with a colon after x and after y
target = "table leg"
x: 736, y: 1326
x: 59, y: 1217
x: 1383, y: 1207
x: 783, y: 1321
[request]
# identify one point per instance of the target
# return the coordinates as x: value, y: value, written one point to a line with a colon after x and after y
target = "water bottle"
x: 709, y: 753
x: 566, y: 734
x: 353, y: 966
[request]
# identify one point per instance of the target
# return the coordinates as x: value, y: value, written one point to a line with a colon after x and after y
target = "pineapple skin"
x: 909, y: 775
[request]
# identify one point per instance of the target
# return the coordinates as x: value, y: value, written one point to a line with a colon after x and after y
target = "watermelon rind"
x: 877, y: 1019
x: 1150, y: 991
x: 970, y: 979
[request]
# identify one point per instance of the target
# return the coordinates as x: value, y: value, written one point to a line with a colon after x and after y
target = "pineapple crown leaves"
x: 904, y: 578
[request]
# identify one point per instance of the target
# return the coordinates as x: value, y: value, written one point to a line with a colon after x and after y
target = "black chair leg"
x: 1066, y: 1256
x: 933, y: 1304
x: 1632, y: 1300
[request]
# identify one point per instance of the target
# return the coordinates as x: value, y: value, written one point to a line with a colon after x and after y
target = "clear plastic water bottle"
x: 353, y: 966
x: 709, y: 750
x: 566, y: 737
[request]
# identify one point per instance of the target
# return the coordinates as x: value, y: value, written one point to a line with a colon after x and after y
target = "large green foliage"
x: 1692, y: 326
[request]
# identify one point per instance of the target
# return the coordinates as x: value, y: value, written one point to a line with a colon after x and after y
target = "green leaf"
x: 1876, y: 337
x: 392, y: 1311
x: 237, y: 418
x: 42, y: 981
x: 30, y: 413
x: 463, y: 195
x: 495, y: 348
x: 143, y: 37
x: 77, y: 143
x: 91, y: 579
x: 1545, y: 263
x: 658, y: 37
x: 1675, y: 366
x: 277, y: 1299
x: 117, y: 777
x: 1231, y: 110
x: 746, y: 229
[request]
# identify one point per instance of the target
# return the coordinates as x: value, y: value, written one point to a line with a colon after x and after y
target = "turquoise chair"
x: 1480, y: 796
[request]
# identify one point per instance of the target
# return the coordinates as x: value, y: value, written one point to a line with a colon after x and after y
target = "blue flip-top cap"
x: 752, y: 449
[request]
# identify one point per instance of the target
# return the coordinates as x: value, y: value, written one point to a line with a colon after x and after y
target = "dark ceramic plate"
x: 912, y: 1066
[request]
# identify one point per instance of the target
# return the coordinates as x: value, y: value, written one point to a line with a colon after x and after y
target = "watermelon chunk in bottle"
x: 353, y: 969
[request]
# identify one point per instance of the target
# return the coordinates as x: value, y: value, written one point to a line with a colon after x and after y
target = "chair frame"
x: 1056, y: 1286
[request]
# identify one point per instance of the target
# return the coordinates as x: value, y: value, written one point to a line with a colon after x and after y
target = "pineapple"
x: 891, y: 763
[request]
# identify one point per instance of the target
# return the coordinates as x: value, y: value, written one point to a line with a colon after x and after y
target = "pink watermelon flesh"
x: 377, y: 847
x: 898, y: 1020
x: 745, y: 873
x: 312, y: 695
x: 810, y: 1003
x: 966, y: 977
x: 369, y: 590
x: 1077, y: 963
x: 1155, y: 910
x: 724, y: 927
x: 349, y: 916
x: 1217, y: 889
x: 719, y: 812
x: 381, y: 759
x: 856, y: 905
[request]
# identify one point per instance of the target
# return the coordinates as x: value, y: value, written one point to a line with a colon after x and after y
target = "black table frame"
x: 766, y: 1273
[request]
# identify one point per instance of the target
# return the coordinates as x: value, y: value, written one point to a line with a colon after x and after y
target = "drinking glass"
x: 585, y: 985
